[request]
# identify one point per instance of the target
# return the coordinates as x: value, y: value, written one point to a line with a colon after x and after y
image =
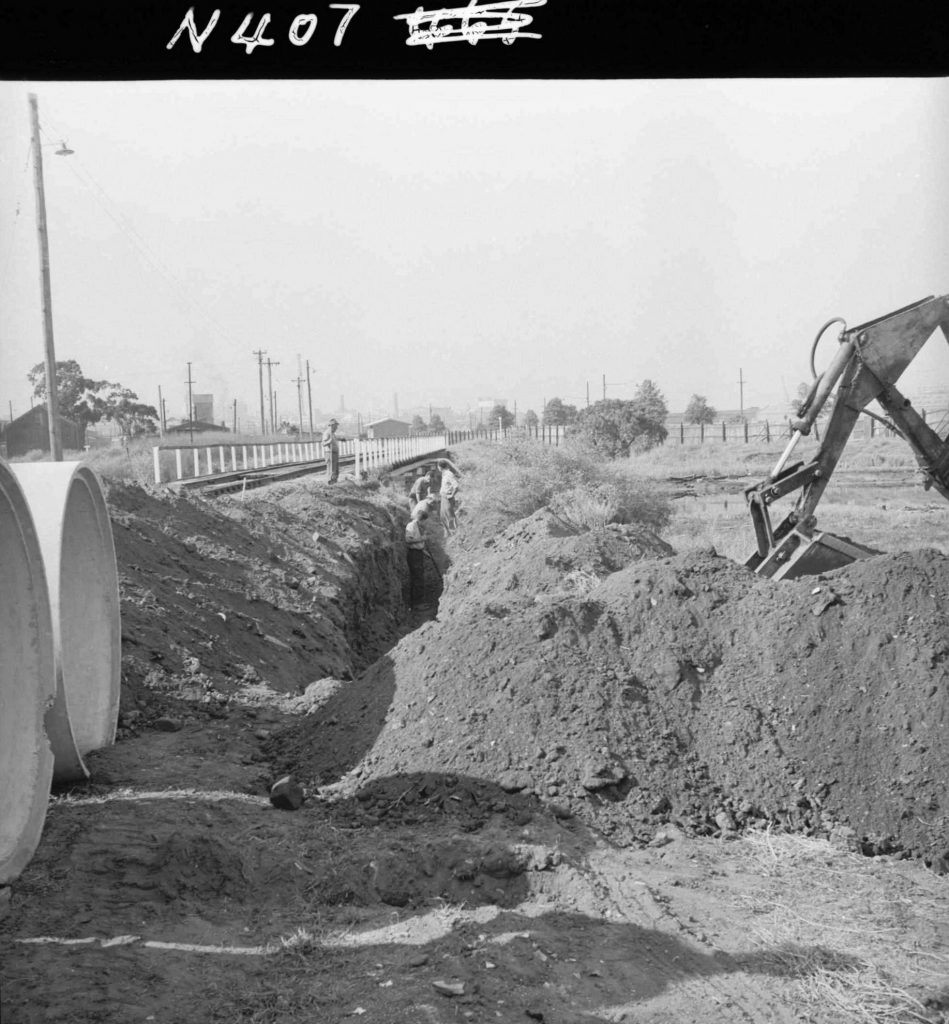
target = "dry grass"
x: 854, y: 935
x: 514, y: 479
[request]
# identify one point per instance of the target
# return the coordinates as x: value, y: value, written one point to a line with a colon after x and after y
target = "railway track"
x: 238, y: 481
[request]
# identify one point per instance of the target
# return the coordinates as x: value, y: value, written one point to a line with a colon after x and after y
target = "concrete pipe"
x: 75, y: 536
x: 27, y: 681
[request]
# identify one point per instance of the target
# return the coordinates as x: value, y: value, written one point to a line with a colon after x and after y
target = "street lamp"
x: 52, y: 395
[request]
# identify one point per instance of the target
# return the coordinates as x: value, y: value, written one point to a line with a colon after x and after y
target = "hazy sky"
x: 450, y: 241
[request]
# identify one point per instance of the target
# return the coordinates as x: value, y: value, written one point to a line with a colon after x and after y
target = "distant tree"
x: 86, y: 401
x: 417, y: 426
x: 699, y: 411
x: 651, y: 410
x: 530, y: 419
x: 286, y: 427
x: 436, y: 423
x: 615, y: 427
x: 500, y: 412
x: 122, y: 406
x: 558, y: 414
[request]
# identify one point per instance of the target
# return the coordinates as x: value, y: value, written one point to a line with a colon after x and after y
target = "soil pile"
x: 681, y: 689
x: 542, y: 556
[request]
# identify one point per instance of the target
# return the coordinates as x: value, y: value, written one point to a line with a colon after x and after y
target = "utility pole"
x: 161, y: 413
x: 270, y: 391
x: 741, y: 394
x: 604, y: 387
x: 11, y: 411
x: 260, y: 353
x: 309, y: 396
x: 235, y: 415
x: 274, y: 411
x: 164, y: 414
x: 52, y: 391
x: 299, y: 382
x: 189, y: 382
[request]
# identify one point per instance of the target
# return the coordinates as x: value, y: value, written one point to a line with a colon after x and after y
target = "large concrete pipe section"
x: 75, y: 534
x: 27, y: 681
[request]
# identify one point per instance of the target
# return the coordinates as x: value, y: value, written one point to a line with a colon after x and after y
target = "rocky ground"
x: 604, y: 782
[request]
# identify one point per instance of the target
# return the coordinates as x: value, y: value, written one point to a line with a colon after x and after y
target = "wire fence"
x: 723, y: 432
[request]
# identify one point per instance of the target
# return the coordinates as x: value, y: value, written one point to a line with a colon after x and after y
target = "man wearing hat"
x: 331, y: 451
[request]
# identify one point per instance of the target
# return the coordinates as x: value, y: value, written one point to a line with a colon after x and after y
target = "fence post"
x: 701, y: 433
x: 196, y: 454
x: 724, y: 435
x: 179, y: 474
x: 745, y: 422
x: 156, y: 463
x: 767, y: 432
x: 872, y: 426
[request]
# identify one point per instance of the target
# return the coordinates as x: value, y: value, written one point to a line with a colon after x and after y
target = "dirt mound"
x: 543, y: 555
x: 686, y: 689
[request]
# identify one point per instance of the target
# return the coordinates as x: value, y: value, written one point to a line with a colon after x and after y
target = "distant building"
x: 198, y: 427
x: 203, y: 408
x: 30, y: 432
x: 387, y: 428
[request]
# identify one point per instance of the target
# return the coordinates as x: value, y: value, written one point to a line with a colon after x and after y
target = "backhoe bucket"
x: 800, y: 555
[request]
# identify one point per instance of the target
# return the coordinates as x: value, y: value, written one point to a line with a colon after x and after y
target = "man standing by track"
x: 331, y: 451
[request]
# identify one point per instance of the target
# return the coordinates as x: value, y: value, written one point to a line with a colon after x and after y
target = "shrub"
x: 508, y: 481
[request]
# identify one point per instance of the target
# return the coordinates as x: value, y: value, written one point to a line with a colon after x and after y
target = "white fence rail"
x: 202, y: 461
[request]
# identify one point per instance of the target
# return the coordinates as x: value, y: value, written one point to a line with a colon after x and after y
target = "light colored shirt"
x: 449, y: 484
x: 414, y: 537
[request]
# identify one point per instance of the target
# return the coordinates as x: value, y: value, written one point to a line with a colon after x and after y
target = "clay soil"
x: 598, y: 781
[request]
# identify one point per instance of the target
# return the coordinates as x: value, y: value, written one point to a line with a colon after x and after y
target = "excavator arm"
x: 868, y: 362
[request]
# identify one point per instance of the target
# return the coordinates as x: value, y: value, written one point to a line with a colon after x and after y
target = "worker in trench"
x: 415, y: 549
x: 448, y: 493
x: 421, y: 487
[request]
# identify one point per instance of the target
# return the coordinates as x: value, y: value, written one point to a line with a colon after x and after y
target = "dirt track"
x: 510, y: 802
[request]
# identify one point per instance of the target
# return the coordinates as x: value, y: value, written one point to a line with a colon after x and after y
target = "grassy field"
x: 694, y: 494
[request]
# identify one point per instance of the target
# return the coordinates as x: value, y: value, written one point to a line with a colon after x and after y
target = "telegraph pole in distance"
x: 273, y: 415
x: 235, y: 415
x: 309, y: 396
x: 741, y: 394
x: 189, y: 382
x: 260, y: 353
x: 52, y: 391
x: 299, y: 382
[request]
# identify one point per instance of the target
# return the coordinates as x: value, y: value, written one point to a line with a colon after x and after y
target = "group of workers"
x: 433, y: 488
